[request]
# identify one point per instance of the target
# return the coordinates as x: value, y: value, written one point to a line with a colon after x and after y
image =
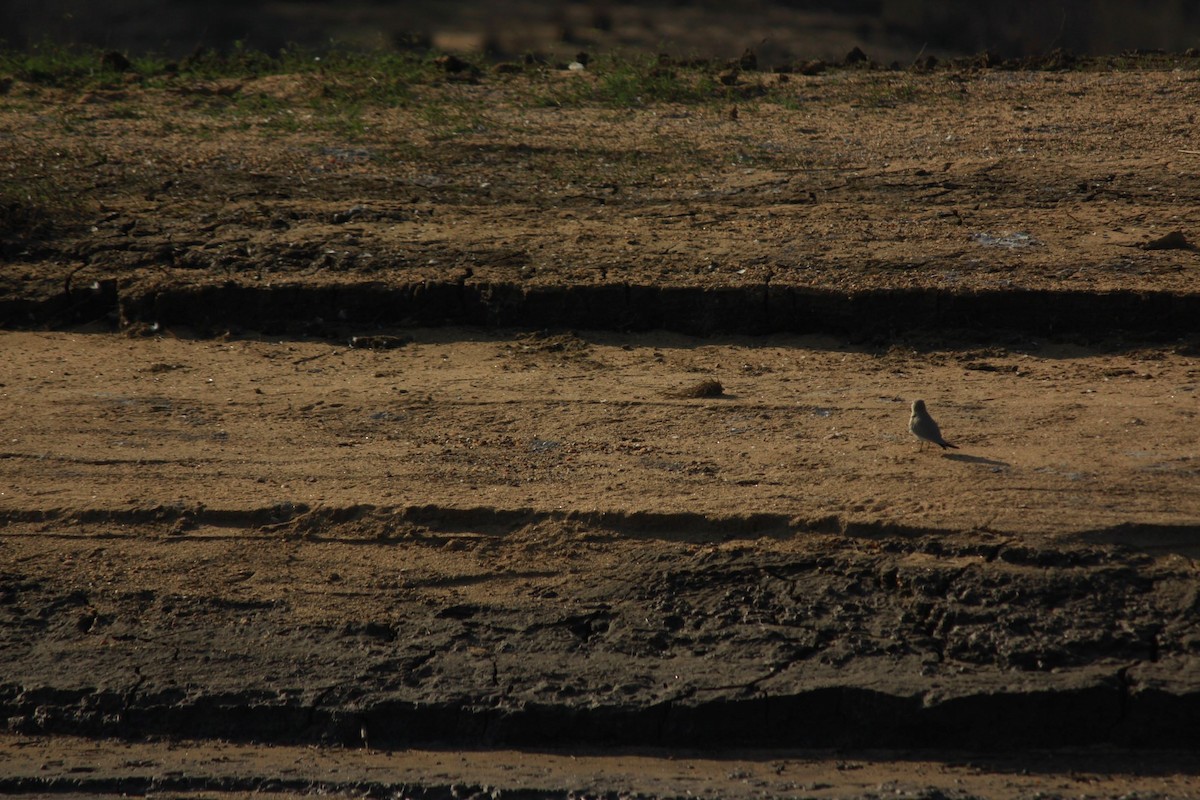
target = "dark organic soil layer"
x: 861, y: 638
x: 300, y: 309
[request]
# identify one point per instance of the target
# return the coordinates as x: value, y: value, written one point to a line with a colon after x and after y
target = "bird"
x: 924, y: 428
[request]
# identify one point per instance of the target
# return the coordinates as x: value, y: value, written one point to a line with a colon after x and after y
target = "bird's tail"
x: 946, y: 444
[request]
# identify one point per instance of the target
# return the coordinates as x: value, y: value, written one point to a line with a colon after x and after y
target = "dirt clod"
x: 705, y: 388
x: 1175, y: 240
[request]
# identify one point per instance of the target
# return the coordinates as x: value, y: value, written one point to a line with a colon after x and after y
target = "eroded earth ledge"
x: 339, y: 310
x: 543, y: 629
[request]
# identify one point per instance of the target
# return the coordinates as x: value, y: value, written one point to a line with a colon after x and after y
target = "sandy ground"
x: 1052, y: 439
x: 507, y: 521
x: 487, y: 537
x: 955, y: 182
x: 185, y: 768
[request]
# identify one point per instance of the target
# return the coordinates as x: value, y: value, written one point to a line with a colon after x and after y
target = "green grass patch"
x: 56, y: 65
x: 888, y: 93
x: 631, y: 82
x: 381, y: 79
x: 372, y: 76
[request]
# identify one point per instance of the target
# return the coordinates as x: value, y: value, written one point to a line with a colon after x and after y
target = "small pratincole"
x: 924, y: 428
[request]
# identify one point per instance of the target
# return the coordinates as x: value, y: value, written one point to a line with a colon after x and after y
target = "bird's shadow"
x: 966, y: 459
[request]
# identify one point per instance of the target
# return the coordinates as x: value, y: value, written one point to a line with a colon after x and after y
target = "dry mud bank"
x: 485, y: 539
x: 856, y: 201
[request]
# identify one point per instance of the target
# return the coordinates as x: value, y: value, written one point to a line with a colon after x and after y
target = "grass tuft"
x: 630, y: 81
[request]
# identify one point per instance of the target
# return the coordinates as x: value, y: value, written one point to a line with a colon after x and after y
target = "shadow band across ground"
x: 838, y: 716
x: 863, y: 638
x: 751, y: 310
x: 388, y: 522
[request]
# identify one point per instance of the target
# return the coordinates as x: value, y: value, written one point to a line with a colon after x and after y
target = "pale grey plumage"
x: 924, y: 428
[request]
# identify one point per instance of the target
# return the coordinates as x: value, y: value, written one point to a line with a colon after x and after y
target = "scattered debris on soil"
x: 379, y: 341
